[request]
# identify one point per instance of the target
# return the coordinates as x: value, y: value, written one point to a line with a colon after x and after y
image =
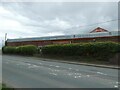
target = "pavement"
x: 30, y: 72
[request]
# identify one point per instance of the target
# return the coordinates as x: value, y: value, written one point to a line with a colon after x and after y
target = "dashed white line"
x: 40, y: 63
x: 54, y: 74
x: 77, y: 76
x: 77, y: 73
x: 57, y: 66
x: 115, y: 86
x: 88, y: 75
x: 57, y: 70
x: 51, y: 65
x: 101, y: 73
x: 28, y: 64
x: 69, y: 74
x: 35, y: 66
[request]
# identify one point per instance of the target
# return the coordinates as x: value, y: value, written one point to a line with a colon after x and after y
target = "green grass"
x: 80, y: 59
x: 4, y: 87
x: 0, y: 86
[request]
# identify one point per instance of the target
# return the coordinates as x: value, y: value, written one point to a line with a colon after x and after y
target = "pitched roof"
x: 99, y: 29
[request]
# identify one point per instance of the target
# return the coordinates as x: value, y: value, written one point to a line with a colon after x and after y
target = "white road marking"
x: 101, y: 73
x: 115, y: 86
x: 33, y: 66
x: 30, y: 67
x: 56, y: 70
x: 40, y: 63
x: 69, y: 74
x: 77, y: 76
x: 57, y: 66
x: 53, y: 74
x: 50, y: 68
x: 51, y: 65
x: 28, y: 64
x: 88, y: 75
x: 77, y: 73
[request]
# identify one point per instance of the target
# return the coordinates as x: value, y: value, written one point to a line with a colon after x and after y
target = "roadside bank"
x: 79, y: 61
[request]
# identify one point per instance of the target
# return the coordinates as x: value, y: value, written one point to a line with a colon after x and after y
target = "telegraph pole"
x: 5, y: 36
x: 5, y: 39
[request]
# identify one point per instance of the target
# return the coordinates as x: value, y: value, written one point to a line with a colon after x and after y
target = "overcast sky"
x: 36, y: 19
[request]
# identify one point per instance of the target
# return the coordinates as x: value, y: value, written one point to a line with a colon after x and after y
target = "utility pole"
x: 5, y: 39
x: 5, y: 36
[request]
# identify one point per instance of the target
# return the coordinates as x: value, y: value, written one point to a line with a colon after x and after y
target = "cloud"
x: 57, y: 23
x: 33, y: 19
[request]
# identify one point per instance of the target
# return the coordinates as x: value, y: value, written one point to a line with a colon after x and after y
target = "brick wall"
x: 75, y: 40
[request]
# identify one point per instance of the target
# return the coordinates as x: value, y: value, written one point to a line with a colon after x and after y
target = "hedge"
x: 22, y: 50
x: 101, y: 50
x: 8, y: 50
x: 94, y: 49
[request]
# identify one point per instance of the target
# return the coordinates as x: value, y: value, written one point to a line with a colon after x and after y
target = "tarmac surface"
x: 30, y: 72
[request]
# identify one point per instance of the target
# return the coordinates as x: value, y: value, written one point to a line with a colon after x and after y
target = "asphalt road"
x: 31, y: 72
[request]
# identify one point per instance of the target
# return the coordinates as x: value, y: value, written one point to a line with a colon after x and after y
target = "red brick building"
x: 98, y: 29
x: 97, y: 34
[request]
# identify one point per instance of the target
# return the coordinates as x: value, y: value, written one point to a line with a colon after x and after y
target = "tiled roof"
x: 99, y: 29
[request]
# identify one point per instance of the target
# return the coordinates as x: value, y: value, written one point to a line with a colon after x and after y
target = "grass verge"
x: 80, y: 59
x: 4, y: 87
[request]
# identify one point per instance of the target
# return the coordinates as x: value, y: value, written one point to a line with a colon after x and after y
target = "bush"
x: 9, y: 50
x: 102, y: 50
x: 28, y: 50
x: 23, y: 50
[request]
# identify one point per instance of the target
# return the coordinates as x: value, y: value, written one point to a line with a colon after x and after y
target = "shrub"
x: 102, y: 50
x: 23, y: 50
x: 9, y: 50
x: 28, y: 50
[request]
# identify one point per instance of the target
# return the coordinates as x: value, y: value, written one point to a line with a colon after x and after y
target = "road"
x: 32, y: 72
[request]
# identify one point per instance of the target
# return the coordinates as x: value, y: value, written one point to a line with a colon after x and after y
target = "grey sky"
x: 32, y: 19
